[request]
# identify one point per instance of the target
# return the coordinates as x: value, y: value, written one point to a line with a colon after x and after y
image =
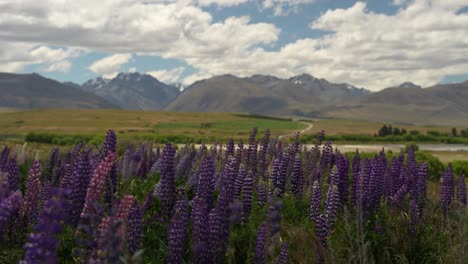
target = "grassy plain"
x: 18, y: 124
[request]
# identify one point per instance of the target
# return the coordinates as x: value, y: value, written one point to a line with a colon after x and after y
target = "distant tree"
x: 454, y: 132
x: 390, y: 130
x: 396, y: 131
x: 464, y: 132
x: 383, y: 131
x: 403, y: 131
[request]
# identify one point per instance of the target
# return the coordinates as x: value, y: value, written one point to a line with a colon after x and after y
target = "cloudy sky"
x: 372, y: 44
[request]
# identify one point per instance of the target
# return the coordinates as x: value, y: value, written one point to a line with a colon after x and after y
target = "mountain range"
x: 35, y: 91
x: 133, y: 91
x: 302, y: 96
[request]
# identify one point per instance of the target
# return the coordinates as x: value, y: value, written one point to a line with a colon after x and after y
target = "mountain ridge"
x: 35, y: 91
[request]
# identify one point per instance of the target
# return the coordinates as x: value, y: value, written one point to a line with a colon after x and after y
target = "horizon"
x: 368, y: 44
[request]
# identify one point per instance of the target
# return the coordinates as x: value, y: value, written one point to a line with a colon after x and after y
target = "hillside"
x: 441, y: 104
x: 301, y: 95
x: 35, y: 91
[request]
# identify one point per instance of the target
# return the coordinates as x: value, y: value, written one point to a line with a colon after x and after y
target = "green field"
x: 148, y: 125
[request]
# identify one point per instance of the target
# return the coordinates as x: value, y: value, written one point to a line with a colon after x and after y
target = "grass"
x: 146, y: 125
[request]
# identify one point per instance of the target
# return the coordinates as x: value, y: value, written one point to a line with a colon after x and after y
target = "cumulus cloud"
x: 110, y: 66
x: 59, y: 66
x: 15, y: 56
x: 422, y: 42
x: 167, y: 76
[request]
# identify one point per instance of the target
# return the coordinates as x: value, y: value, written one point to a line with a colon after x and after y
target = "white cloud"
x: 284, y: 7
x: 15, y: 56
x: 422, y: 42
x: 59, y: 66
x: 399, y: 2
x: 109, y: 66
x: 132, y: 69
x: 222, y: 3
x: 167, y: 76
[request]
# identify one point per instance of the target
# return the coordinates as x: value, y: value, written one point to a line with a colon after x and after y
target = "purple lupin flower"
x: 178, y: 230
x: 321, y: 230
x: 205, y: 186
x: 29, y: 209
x: 252, y: 161
x: 414, y: 212
x: 110, y: 143
x: 296, y: 176
x: 331, y: 206
x: 110, y: 146
x: 334, y: 178
x: 275, y: 167
x: 42, y: 244
x: 327, y: 155
x: 422, y: 186
x: 13, y: 175
x: 167, y: 181
x: 461, y: 189
x: 315, y: 201
x: 67, y: 173
x: 125, y: 206
x: 185, y: 164
x: 356, y: 168
x: 53, y: 157
x: 274, y: 218
x: 9, y: 207
x: 239, y: 181
x: 134, y: 228
x: 45, y: 193
x: 262, y: 194
x: 447, y: 192
x: 365, y: 188
x: 283, y: 174
x: 215, y: 223
x: 109, y: 248
x: 342, y: 166
x: 252, y: 137
x: 227, y: 182
x: 283, y: 256
x: 79, y: 185
x: 235, y: 209
x: 97, y: 182
x: 230, y: 148
x: 260, y: 245
x: 247, y: 191
x: 262, y: 161
x: 199, y: 230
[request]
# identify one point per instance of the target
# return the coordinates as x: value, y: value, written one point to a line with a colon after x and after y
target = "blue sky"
x: 372, y: 44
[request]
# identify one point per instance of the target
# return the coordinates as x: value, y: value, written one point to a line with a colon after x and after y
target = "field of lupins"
x: 264, y: 202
